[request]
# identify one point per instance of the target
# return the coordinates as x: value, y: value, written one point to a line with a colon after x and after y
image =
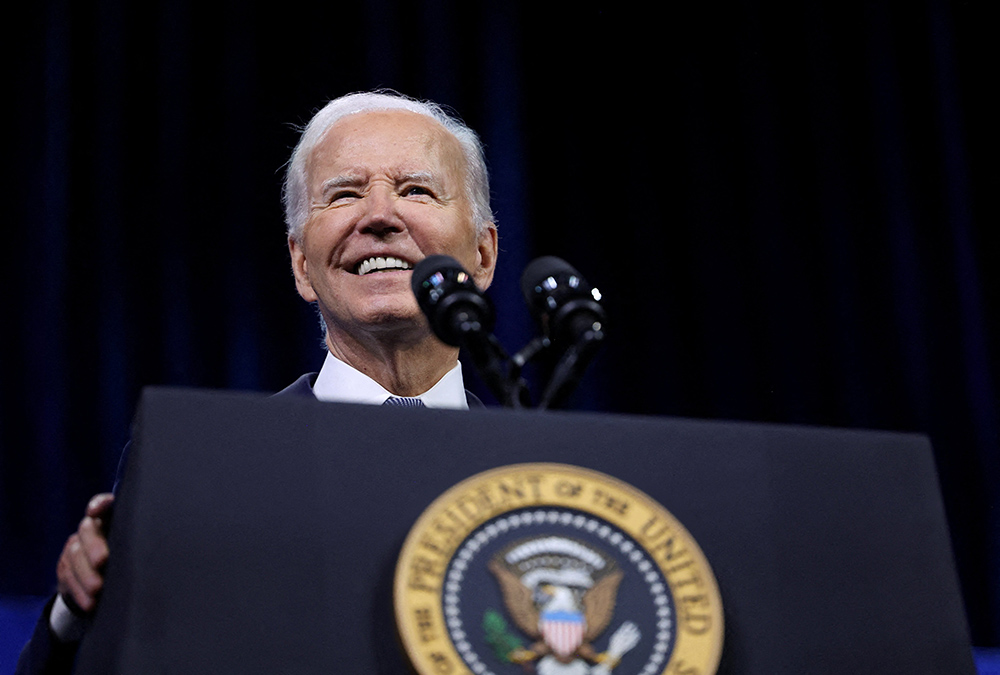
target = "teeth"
x: 380, y: 263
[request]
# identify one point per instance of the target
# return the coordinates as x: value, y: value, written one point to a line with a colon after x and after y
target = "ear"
x: 486, y: 257
x: 300, y: 268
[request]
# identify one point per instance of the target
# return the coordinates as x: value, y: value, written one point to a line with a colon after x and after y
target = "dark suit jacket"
x: 45, y: 654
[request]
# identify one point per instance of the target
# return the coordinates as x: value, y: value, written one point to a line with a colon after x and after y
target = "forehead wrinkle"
x: 440, y: 151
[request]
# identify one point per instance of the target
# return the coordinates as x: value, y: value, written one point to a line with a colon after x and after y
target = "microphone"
x: 451, y: 301
x: 561, y: 300
x: 461, y: 315
x: 572, y: 319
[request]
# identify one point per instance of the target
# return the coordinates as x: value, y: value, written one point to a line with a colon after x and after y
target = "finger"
x: 99, y: 504
x: 85, y: 580
x: 64, y: 569
x: 92, y: 541
x: 69, y: 578
x: 80, y: 597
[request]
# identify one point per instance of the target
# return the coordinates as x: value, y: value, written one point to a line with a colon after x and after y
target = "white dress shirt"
x: 341, y: 383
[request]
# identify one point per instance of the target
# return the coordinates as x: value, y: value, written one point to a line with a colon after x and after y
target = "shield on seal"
x: 562, y: 631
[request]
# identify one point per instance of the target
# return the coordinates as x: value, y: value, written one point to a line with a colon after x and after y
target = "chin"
x: 393, y: 316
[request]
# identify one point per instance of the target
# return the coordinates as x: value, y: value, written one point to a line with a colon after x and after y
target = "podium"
x: 260, y: 535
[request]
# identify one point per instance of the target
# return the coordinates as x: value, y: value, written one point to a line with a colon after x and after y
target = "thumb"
x: 100, y: 504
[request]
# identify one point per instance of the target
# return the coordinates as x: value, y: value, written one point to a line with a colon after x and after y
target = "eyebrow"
x: 353, y: 180
x: 338, y: 182
x: 417, y: 177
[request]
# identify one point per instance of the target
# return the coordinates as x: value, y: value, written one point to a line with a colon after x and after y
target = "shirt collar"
x: 341, y: 383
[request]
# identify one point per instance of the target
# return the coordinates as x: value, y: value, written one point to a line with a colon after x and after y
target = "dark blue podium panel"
x: 260, y: 535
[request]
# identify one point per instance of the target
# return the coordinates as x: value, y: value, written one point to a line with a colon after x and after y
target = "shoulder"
x: 300, y: 387
x: 473, y: 400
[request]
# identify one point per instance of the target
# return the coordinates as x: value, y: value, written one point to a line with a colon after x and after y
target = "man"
x: 368, y: 195
x: 377, y: 183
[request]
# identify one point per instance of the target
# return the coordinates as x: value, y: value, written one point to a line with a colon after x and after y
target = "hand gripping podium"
x: 261, y: 535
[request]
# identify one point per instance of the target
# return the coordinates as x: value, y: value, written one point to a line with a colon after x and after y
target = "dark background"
x: 790, y: 209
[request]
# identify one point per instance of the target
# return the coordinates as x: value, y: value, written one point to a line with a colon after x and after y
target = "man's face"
x: 386, y: 188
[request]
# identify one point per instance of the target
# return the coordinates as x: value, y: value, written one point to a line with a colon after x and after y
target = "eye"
x: 343, y: 195
x: 417, y: 191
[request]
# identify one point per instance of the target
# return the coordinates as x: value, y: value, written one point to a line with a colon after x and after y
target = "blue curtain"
x: 788, y: 206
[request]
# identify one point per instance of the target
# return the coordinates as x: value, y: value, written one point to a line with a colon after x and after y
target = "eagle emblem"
x: 561, y: 592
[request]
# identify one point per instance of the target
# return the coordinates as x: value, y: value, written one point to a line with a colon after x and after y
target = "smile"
x: 379, y: 264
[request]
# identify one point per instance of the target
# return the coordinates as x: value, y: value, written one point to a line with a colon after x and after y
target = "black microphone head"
x: 448, y: 296
x: 561, y: 299
x: 541, y: 268
x: 430, y: 266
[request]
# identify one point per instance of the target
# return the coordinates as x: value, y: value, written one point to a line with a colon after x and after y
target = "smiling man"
x: 377, y: 183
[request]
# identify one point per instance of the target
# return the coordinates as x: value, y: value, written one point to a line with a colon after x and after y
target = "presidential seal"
x: 558, y: 570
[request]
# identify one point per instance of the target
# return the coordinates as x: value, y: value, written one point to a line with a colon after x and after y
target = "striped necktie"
x: 404, y: 402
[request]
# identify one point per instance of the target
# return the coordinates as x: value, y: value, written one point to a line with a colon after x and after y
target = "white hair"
x: 296, y: 190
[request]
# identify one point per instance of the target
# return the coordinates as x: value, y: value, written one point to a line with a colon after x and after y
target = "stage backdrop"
x: 790, y: 209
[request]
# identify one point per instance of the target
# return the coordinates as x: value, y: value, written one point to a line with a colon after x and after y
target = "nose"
x: 381, y: 214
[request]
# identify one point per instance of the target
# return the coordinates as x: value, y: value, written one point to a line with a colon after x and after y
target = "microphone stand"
x: 488, y: 356
x: 568, y: 372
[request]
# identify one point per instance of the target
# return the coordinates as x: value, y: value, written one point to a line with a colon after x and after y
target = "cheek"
x: 323, y: 232
x: 448, y: 233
